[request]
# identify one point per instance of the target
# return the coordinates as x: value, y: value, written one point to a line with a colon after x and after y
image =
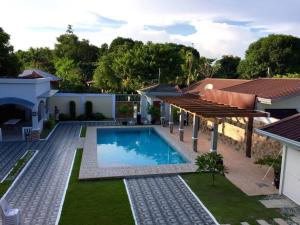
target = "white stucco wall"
x: 27, y: 89
x: 102, y: 103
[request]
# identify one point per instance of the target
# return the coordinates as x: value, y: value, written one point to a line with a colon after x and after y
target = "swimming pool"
x: 134, y: 147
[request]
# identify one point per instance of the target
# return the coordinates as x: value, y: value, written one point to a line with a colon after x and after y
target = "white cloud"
x: 29, y: 22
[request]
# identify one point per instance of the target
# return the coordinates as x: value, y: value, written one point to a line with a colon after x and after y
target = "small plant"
x: 50, y: 123
x: 275, y: 162
x: 154, y: 112
x: 72, y: 109
x: 98, y: 116
x: 88, y: 109
x: 64, y: 117
x: 211, y: 162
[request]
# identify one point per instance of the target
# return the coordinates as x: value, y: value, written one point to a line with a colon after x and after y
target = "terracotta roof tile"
x: 287, y: 128
x: 269, y: 88
x: 199, y: 87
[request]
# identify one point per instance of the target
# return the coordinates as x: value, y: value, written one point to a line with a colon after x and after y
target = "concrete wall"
x: 102, y: 103
x: 232, y: 132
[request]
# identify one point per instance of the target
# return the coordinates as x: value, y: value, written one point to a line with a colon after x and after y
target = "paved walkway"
x: 10, y: 153
x: 165, y: 200
x: 242, y: 171
x: 39, y: 191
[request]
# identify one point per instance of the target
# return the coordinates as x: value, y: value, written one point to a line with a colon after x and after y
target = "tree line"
x: 127, y: 65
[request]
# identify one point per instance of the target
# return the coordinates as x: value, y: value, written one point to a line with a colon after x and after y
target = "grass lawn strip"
x: 95, y: 202
x: 83, y: 131
x: 15, y: 171
x: 226, y: 202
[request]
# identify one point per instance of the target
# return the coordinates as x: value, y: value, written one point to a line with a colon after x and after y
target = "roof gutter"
x: 278, y: 137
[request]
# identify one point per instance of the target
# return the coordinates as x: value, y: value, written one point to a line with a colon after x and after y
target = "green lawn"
x: 226, y: 202
x: 4, y: 187
x: 83, y: 131
x: 95, y: 202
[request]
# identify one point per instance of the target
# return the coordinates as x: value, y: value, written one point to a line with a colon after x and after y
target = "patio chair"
x: 9, y: 215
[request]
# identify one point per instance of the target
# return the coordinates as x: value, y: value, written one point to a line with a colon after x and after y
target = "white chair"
x: 9, y: 216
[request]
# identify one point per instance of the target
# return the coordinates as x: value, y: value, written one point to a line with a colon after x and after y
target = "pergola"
x: 199, y: 107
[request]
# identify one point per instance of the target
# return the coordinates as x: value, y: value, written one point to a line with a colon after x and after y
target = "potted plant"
x: 275, y: 162
x: 154, y: 112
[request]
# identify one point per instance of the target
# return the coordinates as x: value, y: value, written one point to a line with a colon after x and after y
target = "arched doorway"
x: 15, y: 114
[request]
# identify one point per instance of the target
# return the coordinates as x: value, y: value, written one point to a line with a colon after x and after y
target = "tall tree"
x: 9, y: 64
x: 40, y: 58
x: 84, y: 54
x: 226, y: 67
x: 278, y: 54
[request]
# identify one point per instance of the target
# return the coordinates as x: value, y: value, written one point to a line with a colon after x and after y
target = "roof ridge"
x: 280, y: 121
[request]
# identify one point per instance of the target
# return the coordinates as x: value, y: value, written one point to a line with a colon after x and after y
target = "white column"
x: 283, y: 168
x: 162, y: 113
x: 171, y: 123
x: 113, y: 113
x: 181, y: 122
x: 195, y: 132
x: 214, y: 137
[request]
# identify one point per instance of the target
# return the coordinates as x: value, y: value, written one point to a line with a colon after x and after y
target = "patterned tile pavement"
x: 38, y: 192
x: 165, y: 200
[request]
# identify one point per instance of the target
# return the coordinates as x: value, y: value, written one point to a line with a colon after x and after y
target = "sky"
x: 213, y: 27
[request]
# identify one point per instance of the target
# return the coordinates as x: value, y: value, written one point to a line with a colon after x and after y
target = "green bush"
x: 81, y: 117
x: 49, y: 124
x: 72, y: 107
x: 88, y: 109
x: 64, y: 117
x: 98, y: 116
x: 125, y: 109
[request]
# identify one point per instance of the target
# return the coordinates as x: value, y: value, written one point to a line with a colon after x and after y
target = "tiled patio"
x: 241, y: 170
x: 89, y: 168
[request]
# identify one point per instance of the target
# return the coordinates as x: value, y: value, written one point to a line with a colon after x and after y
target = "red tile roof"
x: 288, y: 128
x: 200, y: 86
x: 269, y: 88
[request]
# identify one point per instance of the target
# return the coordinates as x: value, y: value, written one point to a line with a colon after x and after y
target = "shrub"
x: 64, y: 117
x: 72, y: 107
x: 124, y: 110
x: 88, y: 109
x: 154, y: 111
x: 49, y: 124
x: 98, y: 116
x: 211, y: 162
x: 81, y: 117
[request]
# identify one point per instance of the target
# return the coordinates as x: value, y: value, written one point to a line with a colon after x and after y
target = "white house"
x: 150, y: 96
x: 287, y: 131
x: 24, y: 103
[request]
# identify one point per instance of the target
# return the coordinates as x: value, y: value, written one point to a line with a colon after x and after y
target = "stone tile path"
x: 165, y: 200
x: 39, y: 191
x: 10, y: 153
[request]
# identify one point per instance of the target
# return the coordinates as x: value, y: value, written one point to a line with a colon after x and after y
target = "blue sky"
x: 214, y: 27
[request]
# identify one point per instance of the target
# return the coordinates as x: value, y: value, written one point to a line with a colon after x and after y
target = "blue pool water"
x: 134, y: 147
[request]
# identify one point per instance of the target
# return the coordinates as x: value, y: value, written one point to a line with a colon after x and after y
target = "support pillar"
x: 195, y: 132
x: 249, y: 131
x: 171, y: 123
x: 162, y: 114
x: 214, y: 137
x: 181, y: 123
